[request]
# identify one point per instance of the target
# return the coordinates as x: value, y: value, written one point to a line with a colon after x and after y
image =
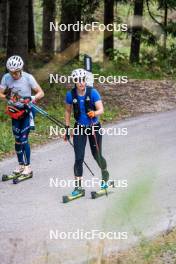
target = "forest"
x: 149, y: 41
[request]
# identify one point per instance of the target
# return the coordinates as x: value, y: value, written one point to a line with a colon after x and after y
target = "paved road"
x: 32, y: 210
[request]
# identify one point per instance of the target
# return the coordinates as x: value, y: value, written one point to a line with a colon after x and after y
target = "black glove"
x: 67, y: 133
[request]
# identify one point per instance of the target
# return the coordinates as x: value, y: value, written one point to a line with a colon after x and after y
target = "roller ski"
x: 77, y: 193
x: 103, y: 191
x: 14, y: 175
x: 9, y: 177
x: 25, y: 175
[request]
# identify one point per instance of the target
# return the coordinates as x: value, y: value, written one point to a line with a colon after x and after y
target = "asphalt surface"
x: 32, y: 212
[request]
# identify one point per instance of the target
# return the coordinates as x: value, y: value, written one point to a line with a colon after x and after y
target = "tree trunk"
x: 4, y: 16
x: 18, y: 29
x: 77, y: 34
x: 49, y: 15
x: 136, y: 31
x: 31, y: 31
x: 165, y: 27
x: 70, y: 40
x: 108, y: 35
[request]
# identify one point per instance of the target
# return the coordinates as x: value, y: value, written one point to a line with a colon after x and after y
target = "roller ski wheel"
x: 22, y: 177
x: 15, y: 174
x: 103, y: 191
x: 77, y: 193
x: 9, y: 177
x: 99, y: 193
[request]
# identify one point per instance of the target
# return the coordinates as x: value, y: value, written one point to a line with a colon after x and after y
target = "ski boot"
x: 78, y: 192
x: 104, y: 185
x: 103, y: 190
x: 25, y: 175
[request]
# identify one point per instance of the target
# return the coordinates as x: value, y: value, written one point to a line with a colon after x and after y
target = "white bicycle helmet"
x: 15, y: 63
x: 78, y: 73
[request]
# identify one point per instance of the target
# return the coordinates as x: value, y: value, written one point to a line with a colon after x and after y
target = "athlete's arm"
x: 39, y: 93
x: 3, y: 87
x: 68, y: 110
x: 2, y: 95
x: 99, y: 108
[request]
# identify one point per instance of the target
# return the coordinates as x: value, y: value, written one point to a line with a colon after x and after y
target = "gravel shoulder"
x: 140, y: 96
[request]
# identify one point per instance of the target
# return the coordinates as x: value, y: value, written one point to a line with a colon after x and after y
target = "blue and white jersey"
x: 22, y: 86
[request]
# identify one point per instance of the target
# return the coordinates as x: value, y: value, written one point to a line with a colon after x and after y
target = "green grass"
x: 146, y: 70
x: 160, y: 250
x: 131, y: 71
x: 6, y: 139
x: 146, y: 252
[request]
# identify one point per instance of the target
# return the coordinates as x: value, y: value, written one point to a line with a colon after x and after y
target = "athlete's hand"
x: 25, y: 101
x: 33, y: 99
x: 67, y: 133
x: 91, y: 114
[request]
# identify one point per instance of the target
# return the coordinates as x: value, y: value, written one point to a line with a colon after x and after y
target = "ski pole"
x: 98, y: 150
x: 60, y: 124
x: 44, y: 113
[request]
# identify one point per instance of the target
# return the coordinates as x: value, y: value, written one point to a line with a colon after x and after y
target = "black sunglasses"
x: 79, y: 80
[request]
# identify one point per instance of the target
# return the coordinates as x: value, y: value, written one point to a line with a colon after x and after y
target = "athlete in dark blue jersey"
x: 87, y: 107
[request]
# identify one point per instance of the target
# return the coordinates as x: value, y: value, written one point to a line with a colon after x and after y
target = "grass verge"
x: 161, y: 250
